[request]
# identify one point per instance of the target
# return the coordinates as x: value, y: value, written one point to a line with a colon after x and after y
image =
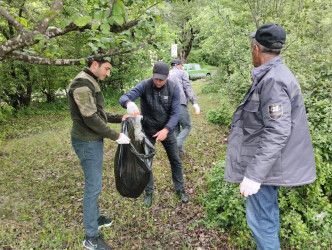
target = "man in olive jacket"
x: 86, y: 104
x: 269, y: 144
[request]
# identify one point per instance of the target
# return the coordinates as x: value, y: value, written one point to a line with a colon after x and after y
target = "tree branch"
x: 111, y: 6
x: 17, y: 55
x: 29, y: 15
x: 18, y: 26
x: 42, y: 26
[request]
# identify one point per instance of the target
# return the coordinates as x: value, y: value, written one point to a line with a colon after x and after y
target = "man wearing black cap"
x: 160, y: 105
x: 178, y: 75
x: 269, y: 144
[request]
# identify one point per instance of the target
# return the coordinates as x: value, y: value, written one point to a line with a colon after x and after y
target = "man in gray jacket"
x: 178, y: 75
x: 269, y: 144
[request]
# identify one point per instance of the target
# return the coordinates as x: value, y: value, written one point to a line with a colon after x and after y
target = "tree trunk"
x: 50, y: 97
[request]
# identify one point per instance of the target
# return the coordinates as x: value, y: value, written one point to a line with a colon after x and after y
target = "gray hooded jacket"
x: 269, y: 140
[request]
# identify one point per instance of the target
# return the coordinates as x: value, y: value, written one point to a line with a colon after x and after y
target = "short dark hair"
x: 265, y: 50
x: 100, y: 60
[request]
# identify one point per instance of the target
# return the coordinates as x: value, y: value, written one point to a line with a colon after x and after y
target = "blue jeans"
x: 90, y: 155
x: 263, y: 217
x: 174, y: 159
x: 185, y: 124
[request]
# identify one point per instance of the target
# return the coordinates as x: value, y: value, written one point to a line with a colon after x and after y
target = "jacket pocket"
x: 165, y: 102
x: 252, y: 117
x: 246, y: 155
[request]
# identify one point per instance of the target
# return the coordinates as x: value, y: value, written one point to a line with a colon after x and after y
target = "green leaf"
x: 92, y: 46
x: 158, y: 18
x: 41, y: 43
x: 105, y: 39
x: 39, y: 37
x: 23, y: 21
x: 50, y: 13
x: 82, y: 61
x: 64, y: 23
x: 118, y: 19
x: 82, y: 21
x: 105, y: 28
x: 52, y: 40
x: 107, y: 58
x: 117, y: 10
x: 98, y: 15
x: 94, y: 26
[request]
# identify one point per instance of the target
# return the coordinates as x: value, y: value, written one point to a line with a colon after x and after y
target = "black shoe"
x: 104, y: 221
x: 182, y: 195
x: 147, y: 200
x: 95, y: 243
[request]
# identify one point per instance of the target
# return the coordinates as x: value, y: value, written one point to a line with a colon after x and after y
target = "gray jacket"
x: 182, y: 79
x: 269, y: 140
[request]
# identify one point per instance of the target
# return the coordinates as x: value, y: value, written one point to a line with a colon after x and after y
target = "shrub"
x: 223, y: 114
x: 226, y: 207
x: 5, y: 111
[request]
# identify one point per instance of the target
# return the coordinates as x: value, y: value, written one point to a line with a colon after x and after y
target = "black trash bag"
x: 133, y: 162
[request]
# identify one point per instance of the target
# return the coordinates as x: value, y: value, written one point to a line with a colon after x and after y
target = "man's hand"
x: 197, y: 109
x: 161, y: 135
x: 132, y: 108
x: 123, y: 139
x: 249, y: 187
x: 125, y: 117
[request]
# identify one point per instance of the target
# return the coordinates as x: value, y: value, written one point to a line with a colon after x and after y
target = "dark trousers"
x: 170, y: 145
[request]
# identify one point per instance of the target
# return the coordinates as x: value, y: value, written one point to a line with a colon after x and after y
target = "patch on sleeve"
x: 275, y: 111
x: 85, y: 101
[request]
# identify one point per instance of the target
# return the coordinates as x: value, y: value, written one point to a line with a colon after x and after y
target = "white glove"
x: 249, y: 187
x: 197, y: 109
x: 123, y: 139
x: 132, y: 108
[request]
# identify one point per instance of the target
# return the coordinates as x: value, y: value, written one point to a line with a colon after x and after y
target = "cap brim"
x: 159, y: 76
x: 253, y: 34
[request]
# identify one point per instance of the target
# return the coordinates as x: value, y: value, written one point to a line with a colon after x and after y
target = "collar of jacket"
x: 86, y: 70
x: 258, y: 73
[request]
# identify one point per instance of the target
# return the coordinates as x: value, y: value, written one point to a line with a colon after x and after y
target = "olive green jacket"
x: 86, y: 104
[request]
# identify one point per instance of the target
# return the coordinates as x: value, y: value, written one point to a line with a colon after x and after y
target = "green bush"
x: 305, y: 215
x: 226, y: 208
x: 5, y: 112
x: 44, y: 108
x: 210, y: 88
x: 223, y: 114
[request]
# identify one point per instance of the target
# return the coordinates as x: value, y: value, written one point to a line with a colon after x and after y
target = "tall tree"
x: 182, y: 17
x: 39, y: 31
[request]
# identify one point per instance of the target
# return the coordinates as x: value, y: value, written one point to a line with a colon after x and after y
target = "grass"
x: 42, y: 184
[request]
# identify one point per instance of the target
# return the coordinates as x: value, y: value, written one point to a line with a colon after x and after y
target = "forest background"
x: 43, y: 44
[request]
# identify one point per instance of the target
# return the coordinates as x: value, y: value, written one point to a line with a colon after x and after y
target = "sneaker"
x: 147, y: 200
x: 182, y: 195
x: 104, y: 221
x: 95, y: 243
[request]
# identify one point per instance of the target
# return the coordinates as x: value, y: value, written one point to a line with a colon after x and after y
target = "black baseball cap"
x: 176, y: 62
x: 160, y: 71
x: 268, y: 34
